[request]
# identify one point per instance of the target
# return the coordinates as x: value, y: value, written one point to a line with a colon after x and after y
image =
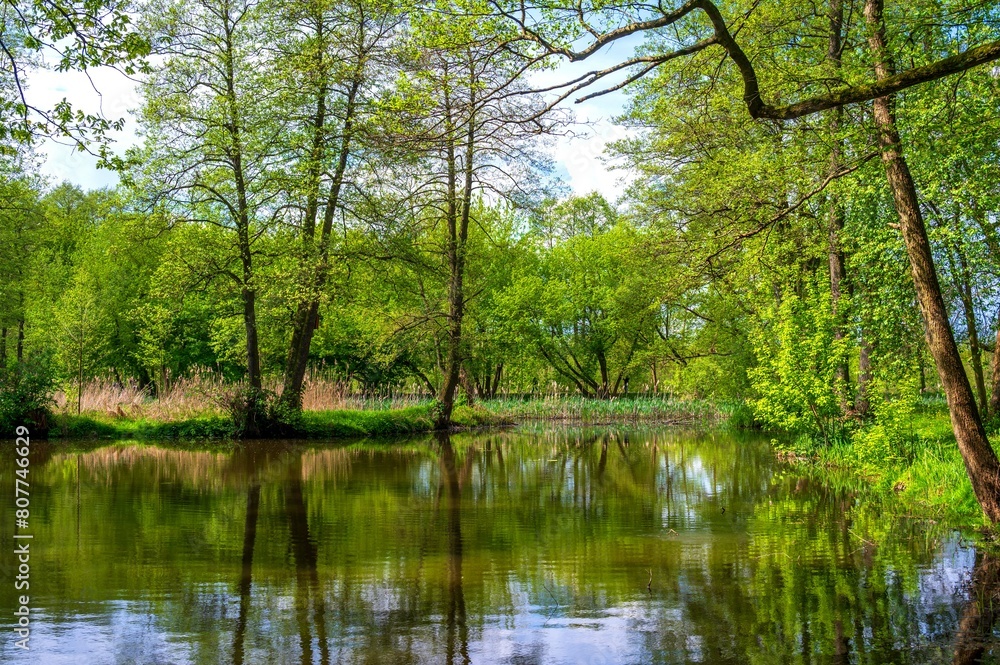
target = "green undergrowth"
x: 916, y: 460
x: 584, y: 410
x: 310, y: 425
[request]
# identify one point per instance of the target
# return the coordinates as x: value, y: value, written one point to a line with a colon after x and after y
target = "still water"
x: 549, y: 547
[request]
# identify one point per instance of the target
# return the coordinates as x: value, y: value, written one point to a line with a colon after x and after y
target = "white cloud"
x: 101, y: 90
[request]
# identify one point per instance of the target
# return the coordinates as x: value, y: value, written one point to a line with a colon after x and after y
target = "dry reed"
x: 201, y: 392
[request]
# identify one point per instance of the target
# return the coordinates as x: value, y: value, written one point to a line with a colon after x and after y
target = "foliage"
x: 797, y: 360
x: 25, y: 395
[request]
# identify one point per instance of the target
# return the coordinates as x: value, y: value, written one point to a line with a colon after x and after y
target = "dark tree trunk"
x: 246, y: 574
x: 458, y: 216
x: 19, y: 352
x: 975, y: 351
x: 306, y: 320
x: 836, y: 214
x: 3, y: 349
x: 467, y: 387
x: 241, y: 218
x: 995, y: 366
x: 980, y: 459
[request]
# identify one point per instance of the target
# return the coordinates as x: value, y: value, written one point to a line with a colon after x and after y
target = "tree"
x: 980, y: 459
x: 82, y: 34
x: 340, y: 54
x: 589, y: 308
x: 212, y: 139
x: 466, y: 117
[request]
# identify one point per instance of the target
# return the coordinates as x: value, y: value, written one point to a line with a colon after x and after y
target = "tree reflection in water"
x: 975, y: 630
x: 504, y: 548
x: 458, y: 632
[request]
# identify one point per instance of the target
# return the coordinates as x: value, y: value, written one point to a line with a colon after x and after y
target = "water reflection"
x: 458, y: 633
x: 596, y: 546
x: 976, y: 629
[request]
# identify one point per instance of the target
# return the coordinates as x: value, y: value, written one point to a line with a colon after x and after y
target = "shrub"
x: 25, y: 397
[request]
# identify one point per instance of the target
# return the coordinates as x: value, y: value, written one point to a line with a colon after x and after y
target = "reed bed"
x: 200, y: 394
x: 573, y: 408
x: 187, y: 397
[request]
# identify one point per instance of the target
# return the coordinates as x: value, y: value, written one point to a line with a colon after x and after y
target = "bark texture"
x: 981, y: 462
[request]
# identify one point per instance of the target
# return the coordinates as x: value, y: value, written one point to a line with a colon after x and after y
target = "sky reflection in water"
x: 567, y: 546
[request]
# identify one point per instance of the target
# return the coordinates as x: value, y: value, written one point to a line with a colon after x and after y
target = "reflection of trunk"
x: 457, y: 629
x: 602, y: 463
x: 981, y: 462
x: 249, y: 536
x: 306, y: 574
x: 975, y: 631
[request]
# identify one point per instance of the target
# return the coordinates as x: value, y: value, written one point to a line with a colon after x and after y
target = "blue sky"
x: 578, y: 158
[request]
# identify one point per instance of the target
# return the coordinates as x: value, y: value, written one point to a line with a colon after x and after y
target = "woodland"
x: 362, y: 193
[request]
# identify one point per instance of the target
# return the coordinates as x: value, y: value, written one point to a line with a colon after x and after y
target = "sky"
x: 578, y: 158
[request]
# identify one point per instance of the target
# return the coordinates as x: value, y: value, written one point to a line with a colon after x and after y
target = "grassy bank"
x: 585, y: 411
x: 922, y: 468
x: 149, y: 421
x: 311, y: 424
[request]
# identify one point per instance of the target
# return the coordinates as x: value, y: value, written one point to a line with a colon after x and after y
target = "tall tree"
x: 340, y: 54
x: 470, y: 122
x: 690, y: 38
x: 213, y: 137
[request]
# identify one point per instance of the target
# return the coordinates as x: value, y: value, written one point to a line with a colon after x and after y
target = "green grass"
x: 310, y: 425
x: 927, y: 475
x: 602, y: 411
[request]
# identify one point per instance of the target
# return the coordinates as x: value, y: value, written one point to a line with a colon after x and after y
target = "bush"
x: 257, y: 413
x: 25, y: 397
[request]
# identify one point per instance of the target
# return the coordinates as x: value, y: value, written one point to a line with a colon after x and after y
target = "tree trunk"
x: 458, y: 215
x: 995, y: 366
x: 307, y: 318
x: 19, y: 351
x: 837, y: 258
x: 975, y: 351
x: 3, y: 348
x: 862, y: 404
x: 466, y: 383
x: 980, y: 459
x: 495, y: 388
x: 241, y: 218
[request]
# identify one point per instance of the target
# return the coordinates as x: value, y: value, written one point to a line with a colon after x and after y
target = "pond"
x: 555, y: 546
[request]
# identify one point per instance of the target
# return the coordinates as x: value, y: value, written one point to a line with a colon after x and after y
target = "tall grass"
x: 573, y: 408
x: 187, y: 397
x: 202, y: 393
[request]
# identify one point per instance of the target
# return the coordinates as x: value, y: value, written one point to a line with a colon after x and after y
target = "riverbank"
x: 310, y: 425
x: 654, y: 409
x: 919, y: 467
x: 337, y: 424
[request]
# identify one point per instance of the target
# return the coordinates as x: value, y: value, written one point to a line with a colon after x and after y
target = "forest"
x: 358, y: 197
